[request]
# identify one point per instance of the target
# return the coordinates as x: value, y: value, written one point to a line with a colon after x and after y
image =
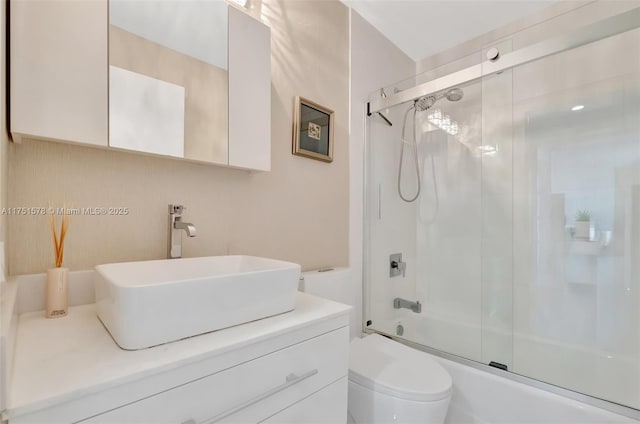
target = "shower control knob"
x: 396, y: 266
x: 493, y: 54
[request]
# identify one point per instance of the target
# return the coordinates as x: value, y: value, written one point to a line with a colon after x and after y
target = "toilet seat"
x: 389, y: 367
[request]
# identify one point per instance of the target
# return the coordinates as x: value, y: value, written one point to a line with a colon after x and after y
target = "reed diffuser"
x: 56, y: 300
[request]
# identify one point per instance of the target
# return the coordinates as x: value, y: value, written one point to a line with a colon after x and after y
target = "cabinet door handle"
x: 291, y: 380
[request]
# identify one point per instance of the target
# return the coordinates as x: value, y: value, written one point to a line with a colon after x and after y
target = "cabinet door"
x: 329, y: 405
x: 168, y: 78
x: 249, y: 92
x: 58, y: 65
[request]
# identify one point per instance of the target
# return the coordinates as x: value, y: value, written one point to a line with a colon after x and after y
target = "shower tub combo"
x: 502, y: 225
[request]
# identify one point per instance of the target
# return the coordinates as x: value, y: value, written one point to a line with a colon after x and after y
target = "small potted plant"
x: 583, y: 225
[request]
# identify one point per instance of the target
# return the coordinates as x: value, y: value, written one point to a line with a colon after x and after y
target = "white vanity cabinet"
x: 60, y: 57
x: 291, y: 368
x: 246, y: 393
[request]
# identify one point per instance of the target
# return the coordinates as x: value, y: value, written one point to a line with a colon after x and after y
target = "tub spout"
x: 403, y: 303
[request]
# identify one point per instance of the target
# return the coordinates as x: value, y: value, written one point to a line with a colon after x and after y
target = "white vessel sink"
x: 148, y: 303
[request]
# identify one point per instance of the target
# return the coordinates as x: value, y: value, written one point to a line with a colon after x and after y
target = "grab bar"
x: 291, y: 380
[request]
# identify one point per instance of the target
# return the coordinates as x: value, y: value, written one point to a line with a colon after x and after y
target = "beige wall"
x: 4, y: 140
x: 296, y: 212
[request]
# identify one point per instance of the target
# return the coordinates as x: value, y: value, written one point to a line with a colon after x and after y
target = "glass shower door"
x: 523, y: 245
x: 439, y: 234
x: 576, y: 180
x: 456, y: 237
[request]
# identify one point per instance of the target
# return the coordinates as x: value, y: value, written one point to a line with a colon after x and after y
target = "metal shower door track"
x: 597, y: 31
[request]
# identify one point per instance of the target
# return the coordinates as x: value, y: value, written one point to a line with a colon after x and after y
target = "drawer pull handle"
x: 291, y: 380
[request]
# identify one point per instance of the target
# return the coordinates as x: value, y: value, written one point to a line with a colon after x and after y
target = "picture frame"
x: 312, y: 130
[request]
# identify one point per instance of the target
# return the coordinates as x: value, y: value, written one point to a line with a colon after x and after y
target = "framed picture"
x: 312, y: 130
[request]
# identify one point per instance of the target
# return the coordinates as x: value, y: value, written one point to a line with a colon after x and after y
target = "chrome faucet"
x: 176, y: 225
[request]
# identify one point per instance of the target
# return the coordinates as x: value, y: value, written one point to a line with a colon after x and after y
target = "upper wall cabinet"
x: 58, y: 70
x: 185, y: 79
x: 249, y: 92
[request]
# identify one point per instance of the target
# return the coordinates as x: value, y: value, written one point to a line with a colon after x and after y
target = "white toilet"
x: 392, y: 383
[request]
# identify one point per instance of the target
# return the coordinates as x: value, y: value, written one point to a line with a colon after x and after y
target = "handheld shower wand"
x: 422, y: 104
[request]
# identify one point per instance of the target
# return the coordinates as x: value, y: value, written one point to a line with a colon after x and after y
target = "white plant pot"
x: 582, y: 230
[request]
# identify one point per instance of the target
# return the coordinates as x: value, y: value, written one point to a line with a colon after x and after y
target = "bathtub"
x: 484, y: 395
x: 480, y: 397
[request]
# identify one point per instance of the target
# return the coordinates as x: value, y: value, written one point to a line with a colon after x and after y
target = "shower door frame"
x: 608, y: 27
x: 605, y: 28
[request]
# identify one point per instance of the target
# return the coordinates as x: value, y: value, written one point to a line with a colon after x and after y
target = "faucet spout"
x: 403, y: 303
x: 176, y: 225
x: 187, y: 226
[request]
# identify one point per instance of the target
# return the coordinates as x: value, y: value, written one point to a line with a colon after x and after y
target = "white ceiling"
x: 422, y: 28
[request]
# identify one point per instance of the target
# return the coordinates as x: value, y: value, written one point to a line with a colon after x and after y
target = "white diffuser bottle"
x: 56, y: 291
x: 56, y: 294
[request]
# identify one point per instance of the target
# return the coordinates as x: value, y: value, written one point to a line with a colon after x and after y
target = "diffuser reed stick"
x: 58, y: 242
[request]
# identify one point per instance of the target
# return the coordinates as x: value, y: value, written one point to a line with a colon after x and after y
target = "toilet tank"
x: 336, y: 284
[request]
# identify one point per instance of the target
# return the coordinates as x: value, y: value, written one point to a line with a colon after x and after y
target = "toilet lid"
x: 389, y: 367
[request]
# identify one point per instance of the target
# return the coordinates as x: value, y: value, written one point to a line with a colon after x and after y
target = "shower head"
x: 453, y: 94
x: 425, y: 102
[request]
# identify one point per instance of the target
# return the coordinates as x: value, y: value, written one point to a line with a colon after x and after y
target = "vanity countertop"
x: 58, y: 360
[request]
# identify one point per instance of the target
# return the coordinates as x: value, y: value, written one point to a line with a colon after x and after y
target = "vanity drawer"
x: 329, y: 405
x: 249, y: 392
